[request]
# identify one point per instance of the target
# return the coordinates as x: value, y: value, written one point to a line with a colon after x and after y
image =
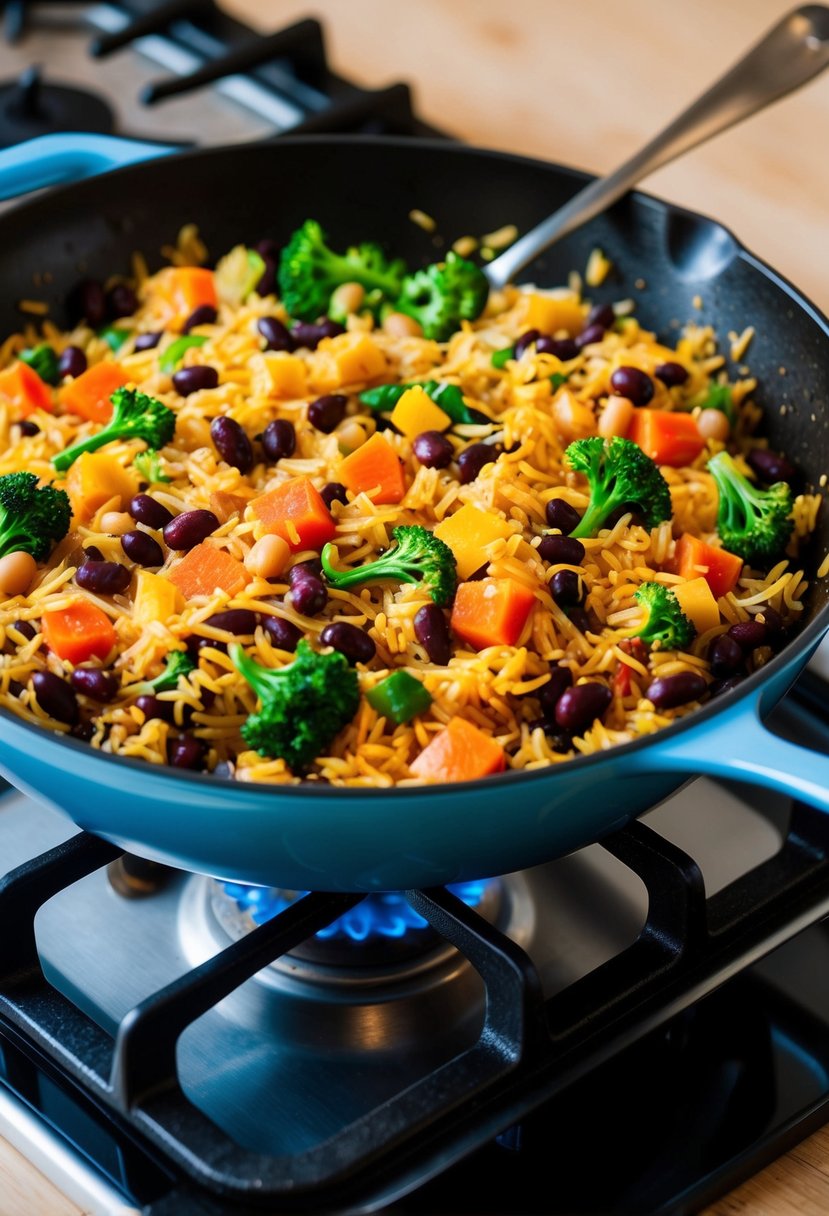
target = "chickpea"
x: 268, y: 557
x: 713, y: 424
x: 348, y: 297
x: 398, y: 325
x: 616, y: 417
x: 16, y: 573
x: 351, y: 435
x: 116, y: 523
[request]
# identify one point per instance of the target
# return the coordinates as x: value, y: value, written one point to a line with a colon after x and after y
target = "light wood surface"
x: 585, y: 84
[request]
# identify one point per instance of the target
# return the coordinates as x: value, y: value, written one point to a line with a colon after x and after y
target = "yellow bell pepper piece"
x: 94, y: 479
x: 287, y: 374
x: 156, y: 598
x: 696, y: 600
x: 467, y: 532
x: 551, y: 313
x: 416, y: 412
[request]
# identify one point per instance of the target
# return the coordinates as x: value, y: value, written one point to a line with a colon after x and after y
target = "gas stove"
x: 634, y: 1028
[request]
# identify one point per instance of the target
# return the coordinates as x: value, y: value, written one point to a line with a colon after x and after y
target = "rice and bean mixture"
x: 214, y: 540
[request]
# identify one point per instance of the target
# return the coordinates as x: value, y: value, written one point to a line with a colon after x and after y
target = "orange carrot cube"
x: 374, y: 468
x: 79, y: 632
x: 491, y: 612
x: 206, y: 570
x: 23, y: 387
x: 718, y: 567
x: 461, y: 752
x: 295, y: 511
x: 88, y: 395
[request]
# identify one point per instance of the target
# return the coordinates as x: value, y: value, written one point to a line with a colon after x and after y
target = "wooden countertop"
x: 586, y: 84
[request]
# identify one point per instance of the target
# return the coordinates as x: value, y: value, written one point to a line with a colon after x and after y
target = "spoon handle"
x: 791, y: 53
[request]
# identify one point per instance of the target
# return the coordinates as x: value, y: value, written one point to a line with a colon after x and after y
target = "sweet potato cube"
x: 416, y: 412
x: 94, y: 479
x: 156, y: 598
x: 374, y: 468
x: 461, y: 752
x: 718, y: 567
x: 78, y: 632
x: 295, y: 511
x: 224, y: 505
x: 88, y: 395
x: 183, y: 289
x: 206, y: 570
x: 467, y: 533
x: 287, y: 375
x: 491, y: 612
x: 356, y: 357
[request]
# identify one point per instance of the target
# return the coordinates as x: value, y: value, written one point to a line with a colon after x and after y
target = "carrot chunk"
x: 206, y: 570
x: 23, y: 387
x: 461, y: 752
x: 183, y: 289
x: 296, y: 512
x: 491, y: 611
x: 667, y: 437
x: 374, y: 468
x: 78, y: 632
x: 88, y: 395
x: 718, y: 567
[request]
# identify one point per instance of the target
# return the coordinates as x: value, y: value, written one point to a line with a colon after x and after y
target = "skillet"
x: 327, y: 838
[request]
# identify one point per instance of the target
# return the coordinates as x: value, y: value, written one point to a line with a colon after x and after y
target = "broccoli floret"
x: 43, y: 360
x: 135, y: 415
x: 419, y: 556
x: 31, y: 519
x: 753, y: 523
x: 620, y: 474
x: 309, y: 271
x: 178, y: 665
x: 148, y: 465
x: 442, y: 295
x: 303, y: 706
x: 666, y: 622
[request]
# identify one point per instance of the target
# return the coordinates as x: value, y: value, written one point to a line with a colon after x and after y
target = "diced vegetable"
x: 416, y: 412
x: 551, y: 313
x: 500, y: 358
x: 448, y: 396
x: 43, y: 360
x: 666, y: 436
x: 78, y: 632
x: 287, y: 374
x: 491, y: 612
x: 351, y: 358
x: 184, y: 289
x: 88, y: 395
x: 718, y: 567
x: 94, y: 479
x: 115, y: 336
x: 461, y: 752
x: 468, y: 532
x: 204, y: 570
x: 23, y: 387
x: 175, y: 352
x: 399, y: 697
x: 223, y: 505
x: 697, y: 602
x: 237, y: 274
x: 156, y: 598
x: 374, y: 468
x: 295, y: 511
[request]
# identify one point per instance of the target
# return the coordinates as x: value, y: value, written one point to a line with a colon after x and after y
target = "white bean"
x: 16, y: 573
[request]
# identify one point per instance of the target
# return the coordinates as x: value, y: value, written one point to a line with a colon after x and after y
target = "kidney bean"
x: 601, y: 314
x: 748, y: 633
x: 267, y: 247
x: 279, y: 439
x: 565, y: 588
x: 282, y: 634
x: 592, y: 333
x: 333, y: 491
x: 93, y: 554
x: 561, y: 549
x: 666, y: 692
x: 205, y: 314
x: 562, y: 348
x: 121, y: 301
x: 193, y: 379
x: 432, y: 631
x: 55, y: 697
x: 104, y: 578
x: 147, y: 341
x: 15, y: 688
x: 152, y: 707
x: 142, y: 548
x: 83, y: 731
x: 721, y: 686
x: 327, y: 412
x: 433, y: 450
x: 72, y: 362
x: 770, y: 466
x: 671, y: 374
x: 232, y: 444
x: 473, y: 459
x: 579, y: 707
x: 276, y: 335
x: 549, y: 695
x: 632, y: 383
x: 579, y: 618
x: 774, y: 626
x: 186, y: 752
x: 26, y: 628
x: 725, y: 655
x: 87, y: 302
x: 266, y: 286
x: 308, y: 591
x: 189, y: 529
x: 93, y: 683
x: 147, y: 510
x: 239, y: 621
x: 350, y: 640
x: 27, y: 427
x: 195, y: 644
x: 561, y: 515
x: 526, y: 340
x: 310, y: 336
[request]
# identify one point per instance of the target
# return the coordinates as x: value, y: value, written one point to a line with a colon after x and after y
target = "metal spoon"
x: 792, y: 52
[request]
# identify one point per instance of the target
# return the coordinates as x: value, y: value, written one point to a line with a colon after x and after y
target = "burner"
x: 30, y: 107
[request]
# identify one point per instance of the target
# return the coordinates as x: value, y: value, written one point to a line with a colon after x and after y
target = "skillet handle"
x: 738, y: 745
x: 51, y: 160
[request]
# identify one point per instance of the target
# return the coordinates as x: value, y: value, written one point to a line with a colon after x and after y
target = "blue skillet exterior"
x: 366, y: 840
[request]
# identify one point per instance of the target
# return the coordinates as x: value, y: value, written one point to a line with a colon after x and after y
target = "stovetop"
x: 654, y: 1063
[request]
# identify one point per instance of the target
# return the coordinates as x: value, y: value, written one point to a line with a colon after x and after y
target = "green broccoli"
x: 178, y: 665
x: 753, y: 523
x: 31, y: 519
x: 148, y: 465
x: 418, y: 556
x: 309, y: 271
x: 135, y: 416
x: 442, y: 295
x: 43, y: 360
x: 303, y: 706
x: 620, y: 474
x: 666, y: 622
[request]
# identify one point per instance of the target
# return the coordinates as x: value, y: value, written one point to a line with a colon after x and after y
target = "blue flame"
x: 379, y: 915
